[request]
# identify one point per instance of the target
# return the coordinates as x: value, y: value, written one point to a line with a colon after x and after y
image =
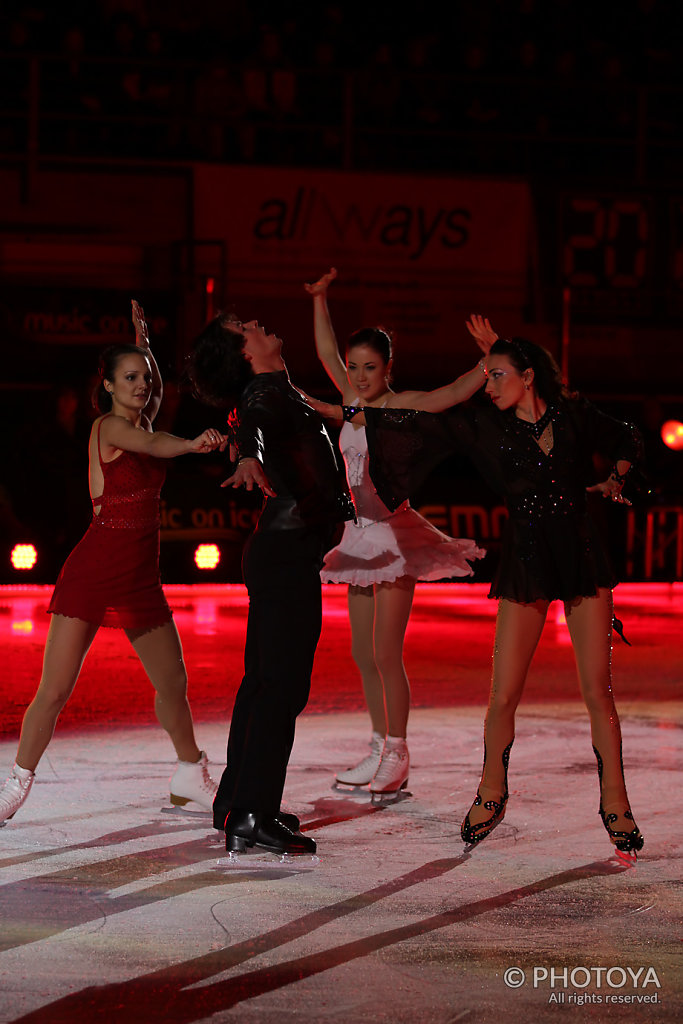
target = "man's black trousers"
x: 282, y: 574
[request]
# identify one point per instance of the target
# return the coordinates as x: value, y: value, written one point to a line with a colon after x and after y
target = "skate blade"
x: 504, y: 834
x: 185, y: 811
x: 257, y: 859
x: 351, y: 790
x: 387, y: 799
x: 627, y: 857
x: 471, y: 847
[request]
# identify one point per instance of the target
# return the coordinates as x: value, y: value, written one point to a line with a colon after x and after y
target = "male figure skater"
x: 282, y: 447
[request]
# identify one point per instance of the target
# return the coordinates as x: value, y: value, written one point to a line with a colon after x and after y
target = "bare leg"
x: 161, y: 655
x: 518, y: 630
x: 589, y: 620
x: 361, y: 604
x: 68, y: 642
x: 393, y: 603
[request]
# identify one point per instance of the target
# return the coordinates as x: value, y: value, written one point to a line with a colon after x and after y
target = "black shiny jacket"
x: 275, y: 425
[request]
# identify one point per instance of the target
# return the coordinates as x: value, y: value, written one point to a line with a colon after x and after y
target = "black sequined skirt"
x: 551, y: 557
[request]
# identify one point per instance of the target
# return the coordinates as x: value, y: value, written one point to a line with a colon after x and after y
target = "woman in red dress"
x: 111, y: 577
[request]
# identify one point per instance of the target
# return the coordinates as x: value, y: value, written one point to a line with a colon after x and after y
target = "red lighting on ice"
x: 207, y: 556
x: 672, y: 435
x: 24, y: 556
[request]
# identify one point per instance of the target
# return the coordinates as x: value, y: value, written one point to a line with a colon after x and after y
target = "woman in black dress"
x: 535, y: 447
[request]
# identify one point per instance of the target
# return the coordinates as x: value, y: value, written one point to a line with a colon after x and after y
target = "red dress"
x: 111, y: 577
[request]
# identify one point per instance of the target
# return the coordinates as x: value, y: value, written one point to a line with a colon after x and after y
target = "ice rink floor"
x: 115, y: 908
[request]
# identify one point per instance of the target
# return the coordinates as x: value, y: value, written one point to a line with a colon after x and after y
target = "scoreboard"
x: 621, y: 255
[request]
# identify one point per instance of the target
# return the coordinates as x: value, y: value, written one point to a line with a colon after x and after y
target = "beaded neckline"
x: 540, y: 426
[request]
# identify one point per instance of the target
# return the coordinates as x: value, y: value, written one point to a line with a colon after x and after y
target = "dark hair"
x: 524, y: 354
x: 216, y: 367
x: 109, y: 360
x: 376, y: 338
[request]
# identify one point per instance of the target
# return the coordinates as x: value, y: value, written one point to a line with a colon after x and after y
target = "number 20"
x: 623, y: 250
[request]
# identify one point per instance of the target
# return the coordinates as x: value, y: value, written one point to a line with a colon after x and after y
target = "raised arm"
x: 325, y: 338
x: 443, y: 398
x: 119, y: 433
x: 460, y: 389
x: 481, y: 331
x: 142, y: 341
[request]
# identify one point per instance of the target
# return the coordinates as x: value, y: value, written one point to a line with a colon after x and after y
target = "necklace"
x: 541, y: 425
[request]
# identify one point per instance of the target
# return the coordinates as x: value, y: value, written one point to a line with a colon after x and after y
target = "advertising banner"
x: 416, y: 254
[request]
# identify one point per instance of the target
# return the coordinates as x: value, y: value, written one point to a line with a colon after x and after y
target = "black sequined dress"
x: 551, y: 548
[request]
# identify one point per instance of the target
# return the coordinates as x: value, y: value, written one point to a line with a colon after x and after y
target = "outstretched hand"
x: 320, y: 287
x: 140, y: 325
x: 327, y: 410
x: 208, y: 441
x: 481, y: 331
x: 609, y: 488
x: 250, y: 474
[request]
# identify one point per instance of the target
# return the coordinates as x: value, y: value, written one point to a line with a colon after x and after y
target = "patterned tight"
x: 518, y: 631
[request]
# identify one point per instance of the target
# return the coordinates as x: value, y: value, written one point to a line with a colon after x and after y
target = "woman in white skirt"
x: 383, y: 554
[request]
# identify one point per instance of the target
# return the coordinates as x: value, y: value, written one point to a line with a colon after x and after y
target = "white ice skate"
x: 191, y: 782
x: 362, y: 773
x: 391, y: 778
x: 15, y: 791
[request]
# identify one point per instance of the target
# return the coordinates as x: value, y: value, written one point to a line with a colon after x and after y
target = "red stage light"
x: 24, y: 556
x: 672, y: 435
x: 209, y: 287
x: 207, y: 556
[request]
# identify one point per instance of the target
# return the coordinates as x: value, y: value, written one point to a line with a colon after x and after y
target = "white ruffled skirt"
x: 404, y: 544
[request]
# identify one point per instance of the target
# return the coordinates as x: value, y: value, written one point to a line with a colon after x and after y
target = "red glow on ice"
x: 447, y: 653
